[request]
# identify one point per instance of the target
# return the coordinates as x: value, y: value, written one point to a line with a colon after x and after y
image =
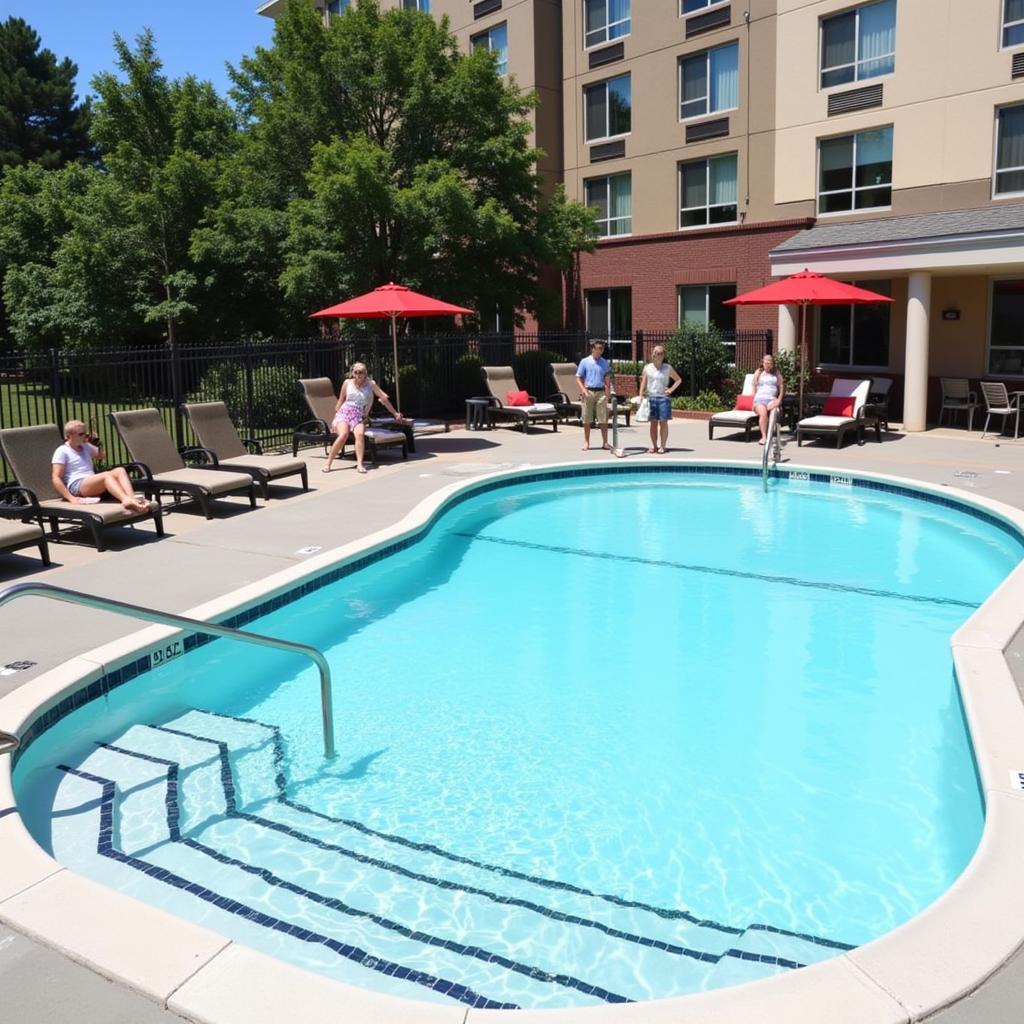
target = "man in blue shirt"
x: 594, y: 380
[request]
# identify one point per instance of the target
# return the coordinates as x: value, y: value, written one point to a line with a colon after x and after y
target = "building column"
x: 915, y: 381
x: 787, y: 329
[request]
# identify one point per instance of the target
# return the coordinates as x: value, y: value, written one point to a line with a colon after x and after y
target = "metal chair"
x: 999, y: 403
x: 957, y: 395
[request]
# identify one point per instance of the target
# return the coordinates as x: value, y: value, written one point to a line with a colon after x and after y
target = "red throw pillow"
x: 839, y: 406
x: 745, y: 403
x: 518, y: 398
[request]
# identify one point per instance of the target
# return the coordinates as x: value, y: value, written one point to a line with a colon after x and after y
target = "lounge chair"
x: 957, y: 396
x: 742, y: 417
x: 842, y: 413
x: 566, y: 396
x: 216, y: 433
x: 322, y: 400
x: 29, y: 453
x: 877, y: 411
x: 21, y: 522
x: 500, y: 381
x: 999, y: 403
x: 162, y: 468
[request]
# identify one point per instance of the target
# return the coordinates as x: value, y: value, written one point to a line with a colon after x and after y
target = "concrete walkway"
x: 201, y: 560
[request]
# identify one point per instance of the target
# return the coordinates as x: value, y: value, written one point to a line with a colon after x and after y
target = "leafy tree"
x: 39, y: 118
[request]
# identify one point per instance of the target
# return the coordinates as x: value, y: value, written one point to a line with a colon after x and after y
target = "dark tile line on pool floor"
x: 105, y: 848
x: 281, y: 784
x: 672, y: 949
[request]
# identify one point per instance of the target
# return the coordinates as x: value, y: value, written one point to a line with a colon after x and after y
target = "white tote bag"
x: 643, y: 411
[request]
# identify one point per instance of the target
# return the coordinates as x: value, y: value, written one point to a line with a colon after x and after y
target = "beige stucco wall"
x: 958, y: 348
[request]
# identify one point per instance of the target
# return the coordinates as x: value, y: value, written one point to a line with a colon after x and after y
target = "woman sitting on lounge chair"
x: 769, y: 389
x: 75, y: 479
x: 357, y: 395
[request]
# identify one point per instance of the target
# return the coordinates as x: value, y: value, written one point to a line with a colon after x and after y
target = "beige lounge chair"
x: 29, y: 453
x: 500, y: 380
x: 322, y: 400
x: 216, y: 433
x: 736, y: 419
x: 957, y: 396
x: 164, y: 470
x: 21, y: 522
x: 566, y: 396
x: 852, y: 396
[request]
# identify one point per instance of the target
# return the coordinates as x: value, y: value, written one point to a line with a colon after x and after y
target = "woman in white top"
x: 769, y: 388
x: 351, y: 412
x: 657, y: 381
x: 75, y: 479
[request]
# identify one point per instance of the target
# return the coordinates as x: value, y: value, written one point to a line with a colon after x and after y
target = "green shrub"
x: 787, y: 363
x: 276, y: 402
x: 706, y: 401
x: 469, y: 382
x: 697, y: 350
x: 409, y: 386
x: 531, y: 370
x: 630, y: 366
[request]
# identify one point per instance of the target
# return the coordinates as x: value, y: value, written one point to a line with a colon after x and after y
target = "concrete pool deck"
x: 201, y: 561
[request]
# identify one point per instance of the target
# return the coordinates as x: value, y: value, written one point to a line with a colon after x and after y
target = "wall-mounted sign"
x: 951, y: 314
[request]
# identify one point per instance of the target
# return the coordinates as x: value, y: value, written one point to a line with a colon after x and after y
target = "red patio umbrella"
x: 807, y: 289
x: 391, y: 300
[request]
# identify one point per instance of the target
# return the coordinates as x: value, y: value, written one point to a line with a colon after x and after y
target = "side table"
x: 477, y: 415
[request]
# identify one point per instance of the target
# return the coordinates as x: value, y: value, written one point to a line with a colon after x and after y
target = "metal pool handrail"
x: 180, y: 621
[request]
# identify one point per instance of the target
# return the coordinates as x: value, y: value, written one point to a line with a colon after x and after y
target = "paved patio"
x: 201, y: 560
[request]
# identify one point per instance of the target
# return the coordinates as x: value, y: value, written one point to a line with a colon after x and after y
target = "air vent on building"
x: 855, y: 99
x: 608, y: 151
x: 1017, y: 69
x: 707, y: 130
x: 486, y: 7
x: 607, y: 54
x: 706, y: 22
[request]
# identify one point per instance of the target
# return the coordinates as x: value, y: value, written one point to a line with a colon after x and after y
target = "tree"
x: 39, y: 117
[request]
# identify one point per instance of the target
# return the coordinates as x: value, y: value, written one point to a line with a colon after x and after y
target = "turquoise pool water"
x: 610, y: 738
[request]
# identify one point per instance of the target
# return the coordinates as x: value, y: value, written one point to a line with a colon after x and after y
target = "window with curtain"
x: 496, y: 41
x: 612, y: 197
x: 605, y: 20
x: 1013, y: 22
x: 855, y: 171
x: 1006, y: 342
x: 707, y: 191
x: 1009, y: 151
x: 607, y: 108
x: 610, y: 316
x: 417, y: 5
x: 858, y: 44
x: 709, y: 82
x: 856, y: 335
x: 689, y: 6
x: 705, y: 304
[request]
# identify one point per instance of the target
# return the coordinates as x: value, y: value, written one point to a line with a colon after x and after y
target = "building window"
x: 689, y: 6
x: 1009, y: 151
x: 417, y: 5
x: 855, y: 171
x: 858, y: 44
x: 709, y: 82
x: 605, y: 20
x: 612, y: 197
x: 610, y: 316
x: 705, y: 304
x: 1013, y: 22
x: 707, y: 191
x: 337, y: 6
x: 856, y: 335
x: 494, y: 40
x: 607, y: 108
x: 1006, y: 344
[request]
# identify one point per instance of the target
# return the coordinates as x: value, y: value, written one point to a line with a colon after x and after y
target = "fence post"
x: 176, y: 396
x: 693, y: 365
x: 250, y: 412
x: 638, y: 344
x: 768, y: 342
x: 55, y: 390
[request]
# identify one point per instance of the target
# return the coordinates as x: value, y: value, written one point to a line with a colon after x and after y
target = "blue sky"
x: 196, y: 36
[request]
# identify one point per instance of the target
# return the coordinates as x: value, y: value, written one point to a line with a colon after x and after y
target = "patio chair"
x: 957, y: 396
x: 322, y: 400
x: 29, y: 454
x: 500, y: 381
x: 162, y: 467
x: 877, y: 411
x: 566, y: 396
x: 843, y: 412
x: 21, y: 522
x: 999, y: 403
x: 216, y: 433
x: 742, y: 417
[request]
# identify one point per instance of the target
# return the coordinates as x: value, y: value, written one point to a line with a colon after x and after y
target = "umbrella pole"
x: 394, y: 352
x: 803, y: 356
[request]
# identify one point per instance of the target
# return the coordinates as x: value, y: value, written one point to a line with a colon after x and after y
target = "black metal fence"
x: 257, y: 379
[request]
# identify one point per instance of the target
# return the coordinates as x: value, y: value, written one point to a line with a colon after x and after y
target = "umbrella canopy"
x: 807, y: 289
x: 390, y: 301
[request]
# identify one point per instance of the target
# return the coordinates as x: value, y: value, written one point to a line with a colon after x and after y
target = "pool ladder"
x: 9, y: 742
x: 773, y: 445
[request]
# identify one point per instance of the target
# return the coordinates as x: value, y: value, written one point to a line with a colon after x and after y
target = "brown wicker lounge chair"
x: 29, y: 453
x: 322, y: 399
x: 21, y: 522
x: 217, y: 435
x: 855, y: 394
x: 162, y: 468
x: 566, y: 396
x: 500, y: 380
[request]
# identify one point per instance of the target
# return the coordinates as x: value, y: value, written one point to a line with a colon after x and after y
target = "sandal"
x: 326, y: 469
x: 652, y: 451
x: 661, y: 451
x: 360, y: 469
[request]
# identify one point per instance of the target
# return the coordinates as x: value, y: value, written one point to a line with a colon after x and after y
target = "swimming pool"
x: 641, y: 811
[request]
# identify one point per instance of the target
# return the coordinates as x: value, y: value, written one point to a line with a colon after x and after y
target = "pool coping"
x: 934, y: 959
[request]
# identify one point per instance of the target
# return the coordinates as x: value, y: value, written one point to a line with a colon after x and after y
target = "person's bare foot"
x: 360, y: 469
x: 326, y: 469
x: 606, y: 446
x: 652, y: 451
x: 585, y: 448
x: 661, y: 451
